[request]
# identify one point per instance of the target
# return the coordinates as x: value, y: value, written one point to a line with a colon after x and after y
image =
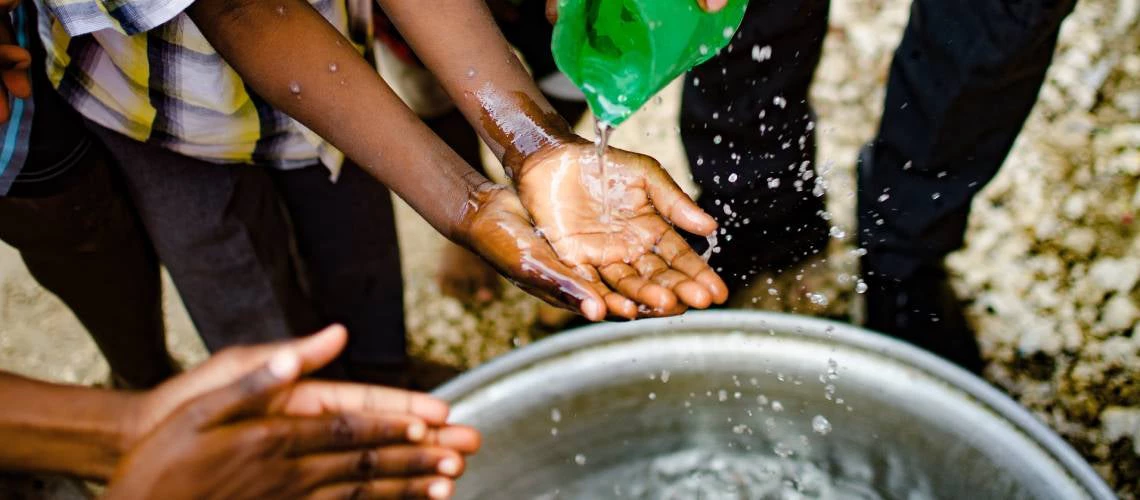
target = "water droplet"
x: 838, y: 232
x: 820, y: 425
x: 652, y: 396
x: 659, y: 100
x: 553, y: 431
x: 717, y: 139
x: 704, y: 49
x: 761, y: 54
x: 470, y: 72
x: 780, y: 101
x: 762, y: 399
x: 280, y: 10
x: 555, y: 415
x: 884, y: 197
x: 777, y: 406
x: 773, y: 183
x: 665, y: 376
x: 728, y: 31
x: 333, y: 68
x: 696, y: 82
x: 783, y: 451
x: 580, y: 459
x: 818, y: 299
x: 935, y: 196
x: 908, y: 165
x: 732, y: 177
x: 861, y: 287
x: 295, y: 88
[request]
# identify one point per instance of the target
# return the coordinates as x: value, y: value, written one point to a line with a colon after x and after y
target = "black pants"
x: 85, y: 244
x: 961, y: 85
x: 230, y: 235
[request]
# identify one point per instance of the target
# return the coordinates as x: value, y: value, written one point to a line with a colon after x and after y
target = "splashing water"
x: 821, y: 425
x: 601, y: 142
x: 716, y: 475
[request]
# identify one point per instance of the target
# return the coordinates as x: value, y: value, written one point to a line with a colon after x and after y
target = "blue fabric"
x: 18, y: 130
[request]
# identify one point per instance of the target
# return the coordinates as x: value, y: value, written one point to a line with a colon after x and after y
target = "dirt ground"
x: 1051, y: 268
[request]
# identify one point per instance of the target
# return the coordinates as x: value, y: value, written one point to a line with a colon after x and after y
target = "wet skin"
x: 475, y: 65
x: 610, y: 225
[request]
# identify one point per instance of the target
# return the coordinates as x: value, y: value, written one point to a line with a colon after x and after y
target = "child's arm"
x: 636, y: 251
x: 294, y: 59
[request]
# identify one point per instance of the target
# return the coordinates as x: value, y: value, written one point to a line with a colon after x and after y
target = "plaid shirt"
x: 142, y: 68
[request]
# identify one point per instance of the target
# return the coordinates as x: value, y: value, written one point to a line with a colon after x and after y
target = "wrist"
x: 479, y: 196
x: 519, y: 126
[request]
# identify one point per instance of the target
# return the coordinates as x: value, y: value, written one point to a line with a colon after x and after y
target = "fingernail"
x: 439, y: 490
x: 284, y: 364
x: 593, y: 309
x: 449, y: 466
x: 715, y: 5
x: 416, y: 431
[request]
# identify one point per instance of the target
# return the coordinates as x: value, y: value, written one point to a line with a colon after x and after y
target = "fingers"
x: 680, y: 256
x: 712, y: 5
x: 402, y: 461
x: 461, y: 438
x: 312, y: 398
x: 245, y: 395
x: 432, y: 488
x: 543, y: 270
x: 298, y: 437
x: 690, y: 292
x: 552, y: 11
x: 672, y: 203
x: 626, y: 280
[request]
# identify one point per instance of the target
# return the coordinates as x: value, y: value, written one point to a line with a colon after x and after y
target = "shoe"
x: 923, y: 310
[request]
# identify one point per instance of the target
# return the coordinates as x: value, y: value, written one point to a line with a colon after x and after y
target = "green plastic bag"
x: 620, y: 53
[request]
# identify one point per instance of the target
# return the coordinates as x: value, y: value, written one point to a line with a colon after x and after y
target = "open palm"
x: 620, y: 222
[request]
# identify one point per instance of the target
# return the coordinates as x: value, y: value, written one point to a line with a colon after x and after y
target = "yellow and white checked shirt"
x: 142, y: 68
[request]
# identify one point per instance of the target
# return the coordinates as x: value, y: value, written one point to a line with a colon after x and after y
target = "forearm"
x: 461, y: 44
x: 70, y: 430
x: 293, y: 58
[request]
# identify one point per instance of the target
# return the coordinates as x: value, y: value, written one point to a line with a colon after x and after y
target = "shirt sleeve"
x: 130, y: 17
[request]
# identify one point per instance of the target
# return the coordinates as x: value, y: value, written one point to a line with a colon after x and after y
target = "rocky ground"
x: 1051, y: 267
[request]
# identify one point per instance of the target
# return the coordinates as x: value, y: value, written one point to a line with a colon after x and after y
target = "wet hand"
x: 499, y: 229
x: 621, y: 226
x: 14, y: 63
x: 308, y: 398
x: 230, y: 443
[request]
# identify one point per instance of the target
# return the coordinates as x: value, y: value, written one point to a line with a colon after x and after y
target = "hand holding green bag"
x: 620, y: 53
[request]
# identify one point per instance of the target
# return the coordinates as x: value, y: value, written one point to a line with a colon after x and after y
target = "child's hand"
x: 498, y: 228
x: 621, y: 229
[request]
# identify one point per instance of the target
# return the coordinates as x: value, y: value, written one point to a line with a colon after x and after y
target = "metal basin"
x: 750, y: 405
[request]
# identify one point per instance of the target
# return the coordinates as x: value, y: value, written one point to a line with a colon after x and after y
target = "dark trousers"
x: 261, y: 255
x: 961, y: 84
x: 86, y: 245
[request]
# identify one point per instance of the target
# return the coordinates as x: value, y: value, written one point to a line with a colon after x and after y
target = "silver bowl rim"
x: 595, y: 336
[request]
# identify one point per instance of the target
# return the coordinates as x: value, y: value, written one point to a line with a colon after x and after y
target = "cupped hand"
x: 229, y: 443
x: 307, y: 398
x: 499, y: 229
x: 620, y: 222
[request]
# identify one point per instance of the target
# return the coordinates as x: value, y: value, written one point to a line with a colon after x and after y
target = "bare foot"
x: 466, y: 277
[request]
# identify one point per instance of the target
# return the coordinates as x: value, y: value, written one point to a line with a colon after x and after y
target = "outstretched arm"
x: 294, y: 59
x: 619, y: 229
